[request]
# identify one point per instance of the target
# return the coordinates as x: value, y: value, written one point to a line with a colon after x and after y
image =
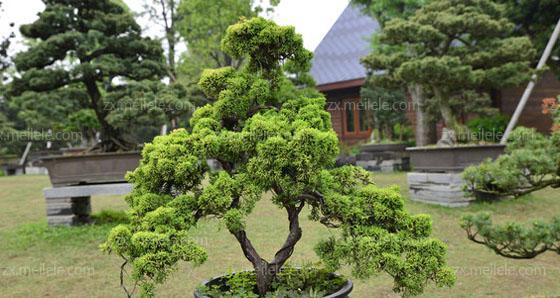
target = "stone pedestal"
x: 68, y: 211
x: 71, y: 205
x: 444, y: 189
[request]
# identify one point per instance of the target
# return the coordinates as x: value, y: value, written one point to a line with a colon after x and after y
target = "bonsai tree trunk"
x: 111, y: 137
x: 264, y: 270
x: 445, y: 110
x: 422, y: 134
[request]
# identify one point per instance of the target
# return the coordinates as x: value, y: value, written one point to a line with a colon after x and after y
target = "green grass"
x: 39, y: 261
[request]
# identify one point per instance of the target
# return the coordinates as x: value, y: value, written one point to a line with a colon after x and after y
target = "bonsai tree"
x: 531, y: 162
x: 91, y: 47
x: 454, y: 50
x: 268, y: 139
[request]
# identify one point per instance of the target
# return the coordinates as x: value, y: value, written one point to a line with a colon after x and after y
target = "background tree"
x: 267, y: 142
x: 4, y: 45
x: 6, y: 127
x: 386, y: 10
x: 388, y: 110
x: 454, y: 50
x: 95, y: 45
x: 165, y: 13
x: 536, y: 19
x: 382, y: 84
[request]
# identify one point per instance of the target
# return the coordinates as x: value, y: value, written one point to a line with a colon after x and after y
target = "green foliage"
x: 531, y: 162
x: 91, y: 48
x: 488, y: 129
x: 203, y: 25
x: 378, y: 234
x: 268, y: 136
x: 385, y: 10
x: 388, y: 108
x: 535, y: 19
x: 454, y: 49
x: 513, y: 240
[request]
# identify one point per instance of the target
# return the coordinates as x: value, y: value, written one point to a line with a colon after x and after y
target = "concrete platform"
x: 444, y: 189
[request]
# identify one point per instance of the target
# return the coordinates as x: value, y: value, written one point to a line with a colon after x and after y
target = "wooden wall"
x: 532, y: 116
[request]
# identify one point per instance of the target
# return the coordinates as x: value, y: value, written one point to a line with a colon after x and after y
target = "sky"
x: 311, y: 18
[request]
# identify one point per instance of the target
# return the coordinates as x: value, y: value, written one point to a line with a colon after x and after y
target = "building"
x: 339, y: 74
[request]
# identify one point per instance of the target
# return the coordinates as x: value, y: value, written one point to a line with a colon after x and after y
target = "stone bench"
x: 71, y: 205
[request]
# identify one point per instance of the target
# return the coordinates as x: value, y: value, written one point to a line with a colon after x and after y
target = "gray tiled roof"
x: 337, y: 58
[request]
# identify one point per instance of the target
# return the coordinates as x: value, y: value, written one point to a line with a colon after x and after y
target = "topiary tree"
x: 531, y: 162
x: 95, y: 46
x: 268, y: 138
x: 454, y: 49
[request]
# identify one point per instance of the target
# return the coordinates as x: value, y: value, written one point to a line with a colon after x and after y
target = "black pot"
x: 342, y: 293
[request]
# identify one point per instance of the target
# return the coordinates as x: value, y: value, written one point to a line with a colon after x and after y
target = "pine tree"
x: 94, y: 47
x: 456, y: 50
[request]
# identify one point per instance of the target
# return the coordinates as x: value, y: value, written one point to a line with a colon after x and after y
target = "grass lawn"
x: 36, y: 261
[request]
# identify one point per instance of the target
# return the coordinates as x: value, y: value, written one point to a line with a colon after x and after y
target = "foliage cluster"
x: 513, y: 240
x: 488, y: 129
x: 531, y: 162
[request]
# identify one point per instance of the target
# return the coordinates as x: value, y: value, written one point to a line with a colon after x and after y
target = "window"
x: 355, y: 120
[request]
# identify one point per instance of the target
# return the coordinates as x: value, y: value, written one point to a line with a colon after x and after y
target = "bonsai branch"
x: 123, y: 272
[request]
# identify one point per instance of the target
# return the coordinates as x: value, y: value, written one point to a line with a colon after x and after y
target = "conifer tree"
x: 94, y: 48
x: 270, y: 139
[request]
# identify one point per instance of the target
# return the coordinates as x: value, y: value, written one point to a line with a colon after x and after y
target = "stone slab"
x: 88, y: 190
x: 444, y: 189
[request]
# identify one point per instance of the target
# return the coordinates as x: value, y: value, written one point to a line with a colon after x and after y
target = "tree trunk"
x: 265, y: 271
x: 111, y: 137
x: 445, y: 110
x: 423, y: 125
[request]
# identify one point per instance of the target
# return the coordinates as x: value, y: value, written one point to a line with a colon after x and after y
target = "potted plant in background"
x: 95, y: 59
x: 456, y: 64
x: 273, y: 142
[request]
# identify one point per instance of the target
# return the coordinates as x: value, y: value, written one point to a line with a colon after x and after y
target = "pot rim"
x: 100, y: 154
x: 342, y: 292
x: 484, y: 146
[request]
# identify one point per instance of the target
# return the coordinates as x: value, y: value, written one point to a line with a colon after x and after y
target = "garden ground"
x: 37, y: 261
